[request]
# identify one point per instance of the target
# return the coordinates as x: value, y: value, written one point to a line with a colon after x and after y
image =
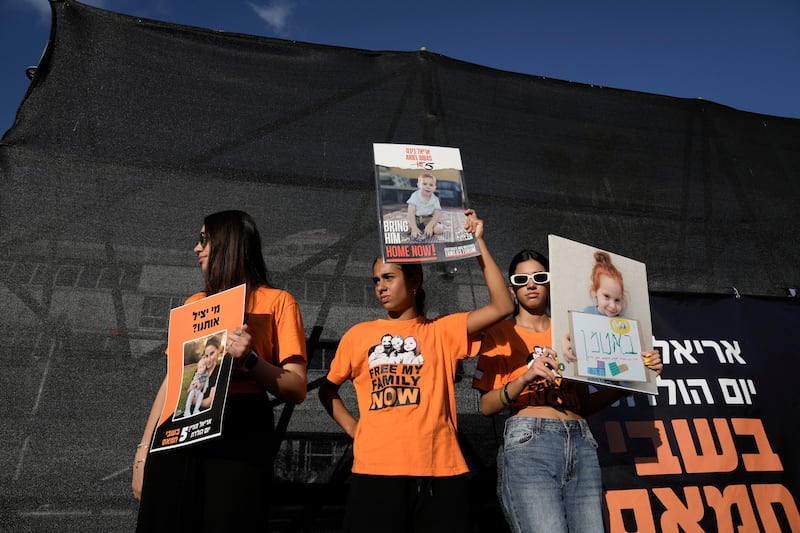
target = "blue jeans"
x: 549, y: 476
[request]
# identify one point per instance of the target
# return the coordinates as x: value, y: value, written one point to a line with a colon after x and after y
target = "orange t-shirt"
x: 404, y: 372
x: 503, y: 358
x: 273, y: 320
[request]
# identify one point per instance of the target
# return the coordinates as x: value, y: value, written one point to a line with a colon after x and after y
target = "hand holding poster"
x: 198, y: 369
x: 421, y: 203
x: 600, y: 310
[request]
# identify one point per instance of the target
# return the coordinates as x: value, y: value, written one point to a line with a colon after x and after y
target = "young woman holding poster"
x: 548, y: 469
x: 408, y: 470
x: 222, y: 484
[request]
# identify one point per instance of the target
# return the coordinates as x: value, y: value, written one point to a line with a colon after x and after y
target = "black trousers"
x: 219, y: 485
x: 408, y: 504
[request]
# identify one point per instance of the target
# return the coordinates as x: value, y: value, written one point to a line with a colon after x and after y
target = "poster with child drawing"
x: 421, y: 203
x: 600, y: 309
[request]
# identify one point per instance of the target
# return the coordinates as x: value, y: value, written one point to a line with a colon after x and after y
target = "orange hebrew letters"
x: 707, y: 459
x: 723, y: 502
x: 768, y: 495
x: 765, y: 459
x: 636, y: 500
x: 679, y: 517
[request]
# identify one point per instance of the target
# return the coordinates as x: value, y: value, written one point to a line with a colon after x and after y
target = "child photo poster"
x: 421, y: 200
x: 196, y: 329
x: 201, y: 357
x: 607, y: 340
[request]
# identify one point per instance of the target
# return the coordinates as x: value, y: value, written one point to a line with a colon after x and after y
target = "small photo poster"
x: 198, y: 369
x: 421, y: 200
x: 600, y: 311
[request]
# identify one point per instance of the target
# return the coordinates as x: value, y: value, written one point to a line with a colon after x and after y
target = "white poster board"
x: 421, y: 198
x: 599, y: 340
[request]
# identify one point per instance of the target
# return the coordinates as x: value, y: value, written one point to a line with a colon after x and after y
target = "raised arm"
x: 500, y: 304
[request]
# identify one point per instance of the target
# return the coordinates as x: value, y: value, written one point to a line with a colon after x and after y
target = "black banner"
x: 716, y: 450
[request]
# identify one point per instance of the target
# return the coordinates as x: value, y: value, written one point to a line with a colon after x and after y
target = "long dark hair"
x: 235, y: 256
x: 412, y: 272
x: 521, y: 257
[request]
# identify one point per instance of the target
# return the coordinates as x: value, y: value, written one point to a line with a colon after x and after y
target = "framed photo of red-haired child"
x: 600, y: 310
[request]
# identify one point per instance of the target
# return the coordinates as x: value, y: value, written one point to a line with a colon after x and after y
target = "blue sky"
x: 743, y: 54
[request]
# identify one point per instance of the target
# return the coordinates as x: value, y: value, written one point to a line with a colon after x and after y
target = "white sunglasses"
x: 539, y: 278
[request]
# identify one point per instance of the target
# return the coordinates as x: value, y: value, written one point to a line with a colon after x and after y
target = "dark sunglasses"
x: 539, y: 278
x: 203, y: 239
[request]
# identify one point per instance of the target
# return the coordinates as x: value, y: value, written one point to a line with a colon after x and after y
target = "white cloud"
x: 274, y: 14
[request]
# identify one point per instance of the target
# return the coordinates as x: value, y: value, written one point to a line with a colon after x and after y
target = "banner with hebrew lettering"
x: 718, y: 448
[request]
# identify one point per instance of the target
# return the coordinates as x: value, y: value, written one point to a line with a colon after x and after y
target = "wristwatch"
x: 250, y: 360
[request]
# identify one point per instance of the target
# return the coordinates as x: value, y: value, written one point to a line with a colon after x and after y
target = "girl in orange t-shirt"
x: 223, y: 484
x: 408, y: 470
x: 549, y: 474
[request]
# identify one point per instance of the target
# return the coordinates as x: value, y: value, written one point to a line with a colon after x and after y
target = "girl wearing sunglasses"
x: 224, y: 484
x: 549, y: 475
